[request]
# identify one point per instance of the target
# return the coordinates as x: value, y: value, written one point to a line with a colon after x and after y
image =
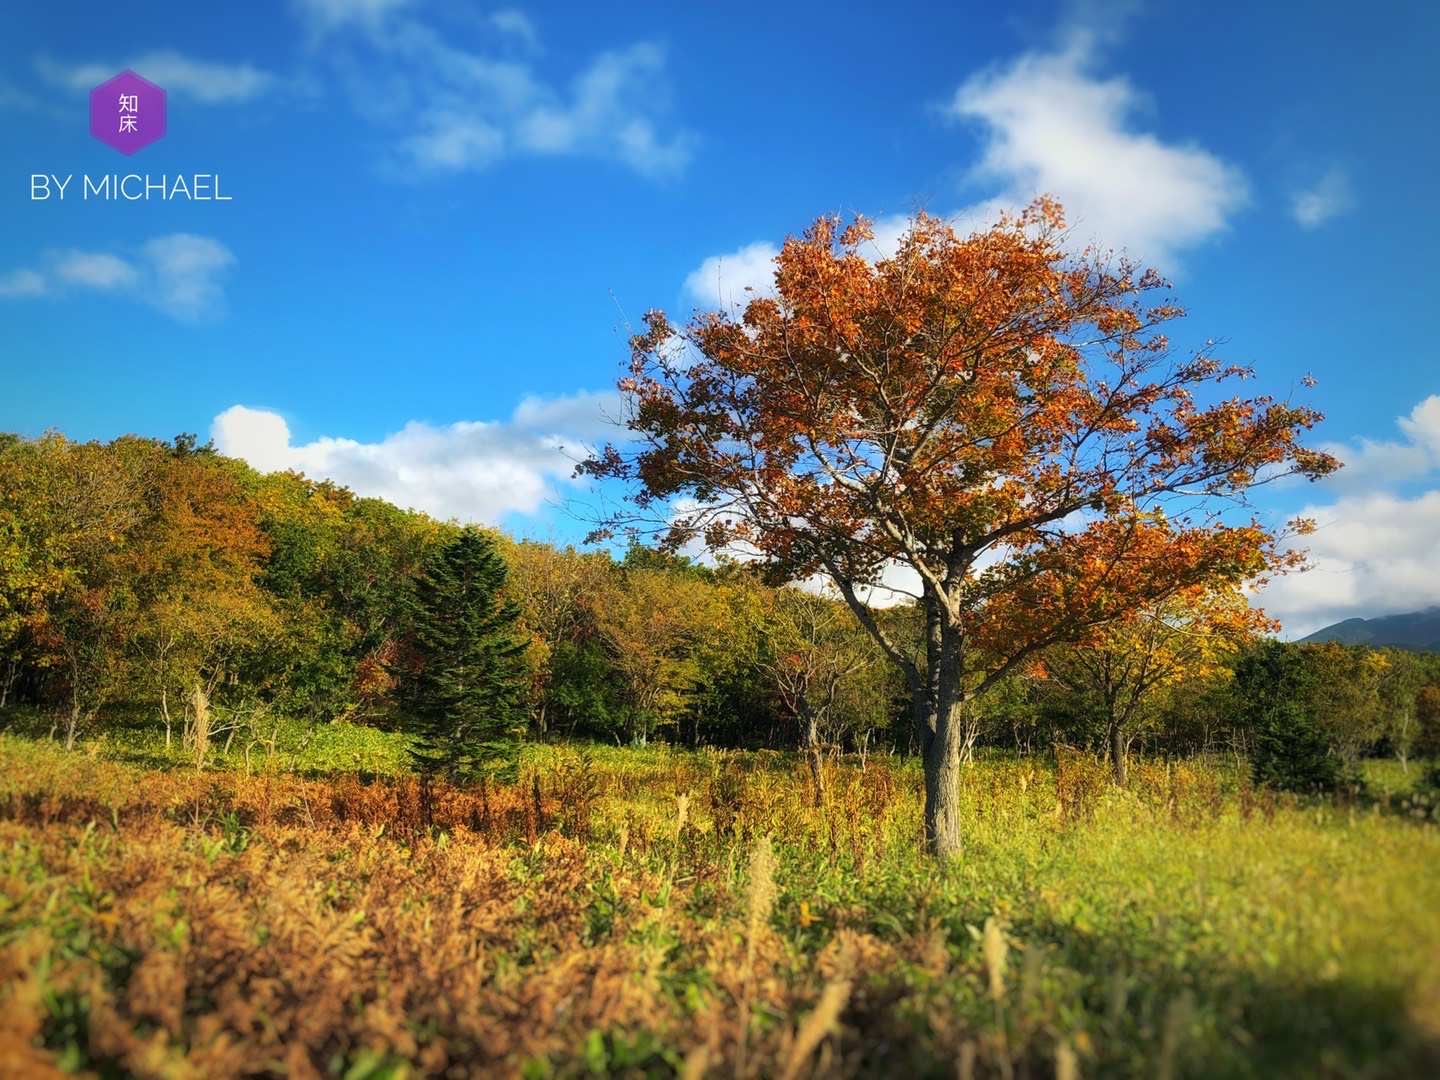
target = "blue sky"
x: 442, y: 216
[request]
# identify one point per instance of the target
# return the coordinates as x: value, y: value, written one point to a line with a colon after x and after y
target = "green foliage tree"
x: 583, y: 694
x: 1274, y: 687
x: 732, y: 702
x: 78, y: 507
x: 664, y: 631
x: 1347, y: 698
x: 340, y: 570
x: 818, y: 658
x: 1427, y: 721
x: 1399, y: 691
x: 465, y: 697
x: 134, y: 571
x: 557, y: 591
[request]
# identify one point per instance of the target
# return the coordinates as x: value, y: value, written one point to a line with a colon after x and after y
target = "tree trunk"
x: 971, y: 733
x: 942, y: 754
x: 72, y: 726
x: 942, y: 802
x: 200, y: 728
x: 11, y: 673
x: 1117, y: 754
x: 817, y: 766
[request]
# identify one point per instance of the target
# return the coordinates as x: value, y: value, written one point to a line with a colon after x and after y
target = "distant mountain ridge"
x: 1412, y: 630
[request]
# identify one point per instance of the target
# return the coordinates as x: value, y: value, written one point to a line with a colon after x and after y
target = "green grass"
x: 1386, y: 777
x: 330, y: 749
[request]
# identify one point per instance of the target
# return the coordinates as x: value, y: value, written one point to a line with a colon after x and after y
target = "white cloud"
x: 898, y: 584
x: 96, y: 270
x: 517, y: 24
x: 22, y: 283
x: 605, y: 106
x: 726, y: 280
x: 1373, y: 554
x: 186, y: 273
x: 208, y: 82
x: 453, y: 108
x: 325, y: 15
x: 12, y: 97
x: 454, y: 142
x: 180, y: 274
x: 889, y: 231
x: 1327, y: 198
x: 258, y: 436
x: 585, y: 415
x: 472, y: 470
x: 1051, y: 124
x: 1422, y: 426
x: 1371, y: 463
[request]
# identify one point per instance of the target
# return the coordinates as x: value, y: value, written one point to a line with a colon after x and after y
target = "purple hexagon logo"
x: 127, y: 112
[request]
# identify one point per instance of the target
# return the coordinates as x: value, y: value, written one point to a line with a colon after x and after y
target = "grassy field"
x: 657, y: 912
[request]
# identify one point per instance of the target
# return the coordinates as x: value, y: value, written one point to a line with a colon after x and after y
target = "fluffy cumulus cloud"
x: 1051, y: 122
x: 1327, y: 198
x: 180, y: 274
x: 1372, y: 463
x: 1371, y: 555
x: 461, y: 98
x: 724, y: 281
x: 1374, y: 551
x: 474, y: 470
x: 206, y: 81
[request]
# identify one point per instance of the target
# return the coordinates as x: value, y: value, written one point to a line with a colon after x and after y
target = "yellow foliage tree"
x: 1125, y: 666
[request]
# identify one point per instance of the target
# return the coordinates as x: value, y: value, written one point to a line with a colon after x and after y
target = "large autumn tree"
x: 1000, y: 417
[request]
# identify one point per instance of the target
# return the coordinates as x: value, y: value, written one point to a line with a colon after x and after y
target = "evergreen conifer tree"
x: 1274, y: 690
x: 465, y: 701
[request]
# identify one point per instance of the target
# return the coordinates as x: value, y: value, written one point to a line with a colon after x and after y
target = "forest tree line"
x: 165, y: 581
